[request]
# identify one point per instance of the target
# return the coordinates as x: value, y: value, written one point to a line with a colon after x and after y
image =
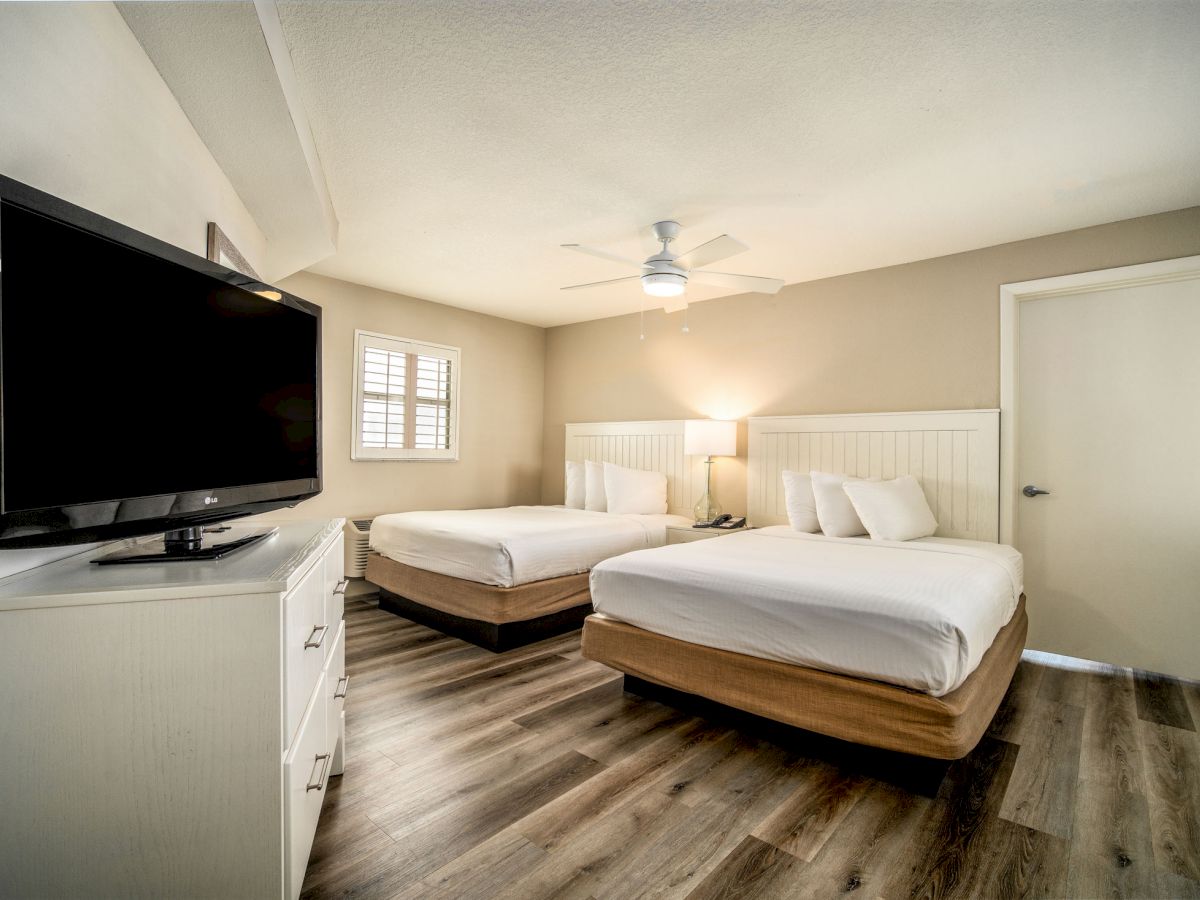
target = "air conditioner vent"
x: 358, y: 535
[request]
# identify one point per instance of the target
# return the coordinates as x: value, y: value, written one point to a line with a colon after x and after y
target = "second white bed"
x: 514, y: 545
x: 918, y: 614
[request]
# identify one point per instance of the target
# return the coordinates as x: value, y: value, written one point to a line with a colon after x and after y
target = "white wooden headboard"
x: 955, y: 455
x: 656, y: 446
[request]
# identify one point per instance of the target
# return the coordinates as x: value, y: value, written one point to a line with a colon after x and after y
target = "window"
x: 405, y: 399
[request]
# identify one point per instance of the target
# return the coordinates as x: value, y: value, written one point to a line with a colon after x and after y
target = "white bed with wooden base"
x: 906, y: 646
x: 505, y: 577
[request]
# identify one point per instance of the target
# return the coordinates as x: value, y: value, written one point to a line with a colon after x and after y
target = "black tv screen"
x: 143, y: 389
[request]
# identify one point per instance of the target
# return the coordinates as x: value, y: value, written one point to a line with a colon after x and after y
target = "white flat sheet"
x: 919, y: 614
x: 514, y: 545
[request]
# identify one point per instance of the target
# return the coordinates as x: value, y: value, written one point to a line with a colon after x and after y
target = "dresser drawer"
x: 305, y: 774
x: 335, y: 580
x: 307, y: 640
x: 337, y: 685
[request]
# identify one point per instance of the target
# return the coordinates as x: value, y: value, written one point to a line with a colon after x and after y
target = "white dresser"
x: 168, y: 729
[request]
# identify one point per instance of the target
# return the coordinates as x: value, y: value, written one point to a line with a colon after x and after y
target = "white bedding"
x: 919, y: 614
x: 514, y: 545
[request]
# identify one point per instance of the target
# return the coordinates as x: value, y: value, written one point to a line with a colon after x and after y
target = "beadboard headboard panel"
x: 954, y: 454
x: 654, y: 446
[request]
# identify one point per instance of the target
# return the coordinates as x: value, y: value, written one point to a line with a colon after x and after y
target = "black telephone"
x: 727, y: 521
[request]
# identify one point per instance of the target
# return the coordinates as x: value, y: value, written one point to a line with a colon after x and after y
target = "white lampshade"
x: 709, y: 437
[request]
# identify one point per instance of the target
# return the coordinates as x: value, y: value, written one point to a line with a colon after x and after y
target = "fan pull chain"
x: 642, y: 319
x: 685, y: 329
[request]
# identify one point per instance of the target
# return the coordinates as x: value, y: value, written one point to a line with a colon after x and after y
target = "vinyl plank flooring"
x: 1111, y: 753
x: 1172, y: 759
x: 869, y: 844
x: 805, y: 820
x: 474, y: 875
x: 1162, y: 701
x: 578, y: 868
x: 557, y: 822
x: 432, y: 841
x: 1063, y: 686
x: 681, y: 859
x: 754, y: 869
x: 531, y: 774
x: 954, y: 828
x: 1112, y: 854
x: 1017, y: 704
x: 1041, y: 791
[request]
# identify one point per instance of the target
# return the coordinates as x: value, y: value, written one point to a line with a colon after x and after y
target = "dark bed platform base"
x: 489, y: 635
x: 918, y: 774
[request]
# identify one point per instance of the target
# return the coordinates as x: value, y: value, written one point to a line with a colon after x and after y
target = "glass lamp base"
x: 706, y: 509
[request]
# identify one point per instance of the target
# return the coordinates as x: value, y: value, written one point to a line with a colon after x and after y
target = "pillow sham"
x: 576, y: 492
x: 593, y: 490
x: 799, y: 501
x: 835, y: 512
x: 893, y: 510
x: 635, y: 491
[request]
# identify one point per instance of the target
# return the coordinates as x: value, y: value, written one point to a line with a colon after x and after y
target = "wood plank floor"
x: 531, y: 774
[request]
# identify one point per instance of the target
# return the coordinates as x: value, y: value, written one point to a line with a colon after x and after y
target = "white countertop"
x: 272, y: 566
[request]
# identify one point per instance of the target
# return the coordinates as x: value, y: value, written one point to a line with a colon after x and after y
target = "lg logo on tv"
x: 208, y: 500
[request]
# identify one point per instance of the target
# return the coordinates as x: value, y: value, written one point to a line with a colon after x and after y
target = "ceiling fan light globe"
x: 663, y: 284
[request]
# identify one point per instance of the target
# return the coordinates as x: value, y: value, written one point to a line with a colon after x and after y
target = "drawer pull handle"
x: 320, y: 782
x: 343, y: 685
x: 313, y: 640
x: 341, y: 586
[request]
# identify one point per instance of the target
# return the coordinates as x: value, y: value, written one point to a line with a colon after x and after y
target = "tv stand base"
x: 186, y: 545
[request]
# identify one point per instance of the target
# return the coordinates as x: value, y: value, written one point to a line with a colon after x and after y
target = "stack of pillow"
x: 844, y: 506
x: 604, y: 487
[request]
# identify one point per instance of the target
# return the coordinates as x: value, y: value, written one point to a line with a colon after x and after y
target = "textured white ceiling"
x: 464, y: 141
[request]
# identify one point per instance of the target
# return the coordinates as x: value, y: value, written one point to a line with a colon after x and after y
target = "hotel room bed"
x: 500, y: 577
x: 906, y: 646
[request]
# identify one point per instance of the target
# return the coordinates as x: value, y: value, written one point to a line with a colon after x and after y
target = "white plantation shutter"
x: 405, y: 399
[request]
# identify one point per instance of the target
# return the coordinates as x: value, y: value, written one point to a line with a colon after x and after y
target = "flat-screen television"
x: 143, y: 389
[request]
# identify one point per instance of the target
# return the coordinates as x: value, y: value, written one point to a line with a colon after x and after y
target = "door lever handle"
x: 1032, y: 490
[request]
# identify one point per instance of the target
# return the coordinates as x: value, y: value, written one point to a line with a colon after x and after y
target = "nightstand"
x: 683, y: 534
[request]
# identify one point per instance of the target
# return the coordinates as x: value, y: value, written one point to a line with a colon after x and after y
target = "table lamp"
x: 709, y: 438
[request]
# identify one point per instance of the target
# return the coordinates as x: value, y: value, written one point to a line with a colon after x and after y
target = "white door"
x: 1108, y: 421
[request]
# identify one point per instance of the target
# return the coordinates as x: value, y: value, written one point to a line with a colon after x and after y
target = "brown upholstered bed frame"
x: 497, y: 618
x: 841, y: 706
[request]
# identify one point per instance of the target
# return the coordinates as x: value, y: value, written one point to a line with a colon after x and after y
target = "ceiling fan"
x: 666, y: 274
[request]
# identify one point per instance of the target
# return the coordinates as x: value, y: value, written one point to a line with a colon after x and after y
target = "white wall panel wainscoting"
x: 653, y: 446
x: 954, y: 454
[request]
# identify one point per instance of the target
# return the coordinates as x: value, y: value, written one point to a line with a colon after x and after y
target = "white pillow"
x: 635, y: 491
x: 893, y: 510
x: 576, y: 485
x: 798, y: 498
x: 835, y: 512
x: 593, y: 496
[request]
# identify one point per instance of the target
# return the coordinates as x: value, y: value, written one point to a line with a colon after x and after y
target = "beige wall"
x: 921, y: 336
x: 500, y: 416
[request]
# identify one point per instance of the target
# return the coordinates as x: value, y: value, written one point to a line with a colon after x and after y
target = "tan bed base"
x: 497, y: 618
x: 842, y: 706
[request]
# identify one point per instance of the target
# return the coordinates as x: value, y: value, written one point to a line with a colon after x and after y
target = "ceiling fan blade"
x: 575, y: 287
x: 754, y: 283
x: 674, y: 304
x: 603, y: 254
x: 717, y: 249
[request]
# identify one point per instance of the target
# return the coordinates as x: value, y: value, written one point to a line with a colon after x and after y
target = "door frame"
x: 1011, y: 297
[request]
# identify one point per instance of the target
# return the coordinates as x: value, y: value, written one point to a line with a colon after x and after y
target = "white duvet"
x: 514, y: 545
x: 919, y: 614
